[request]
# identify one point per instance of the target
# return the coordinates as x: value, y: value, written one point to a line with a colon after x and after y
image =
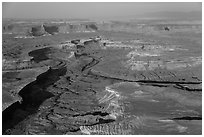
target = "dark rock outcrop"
x: 38, y: 31
x: 51, y: 29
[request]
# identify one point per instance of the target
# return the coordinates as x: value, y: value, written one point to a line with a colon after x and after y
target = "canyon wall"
x: 39, y: 29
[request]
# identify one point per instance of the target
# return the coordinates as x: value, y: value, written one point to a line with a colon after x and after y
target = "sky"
x: 44, y: 10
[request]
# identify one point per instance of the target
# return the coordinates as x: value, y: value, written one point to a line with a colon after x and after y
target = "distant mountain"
x: 166, y: 15
x: 194, y: 15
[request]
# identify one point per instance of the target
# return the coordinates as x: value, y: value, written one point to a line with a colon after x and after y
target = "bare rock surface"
x: 101, y: 79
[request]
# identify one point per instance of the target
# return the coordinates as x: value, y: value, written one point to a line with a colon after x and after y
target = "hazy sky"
x: 91, y: 10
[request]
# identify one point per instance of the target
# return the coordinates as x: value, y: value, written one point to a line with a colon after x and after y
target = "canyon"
x: 110, y: 78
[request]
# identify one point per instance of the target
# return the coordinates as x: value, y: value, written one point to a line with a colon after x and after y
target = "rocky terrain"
x: 39, y: 28
x: 109, y: 78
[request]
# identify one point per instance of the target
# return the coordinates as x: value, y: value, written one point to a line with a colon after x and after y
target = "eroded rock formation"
x: 83, y: 86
